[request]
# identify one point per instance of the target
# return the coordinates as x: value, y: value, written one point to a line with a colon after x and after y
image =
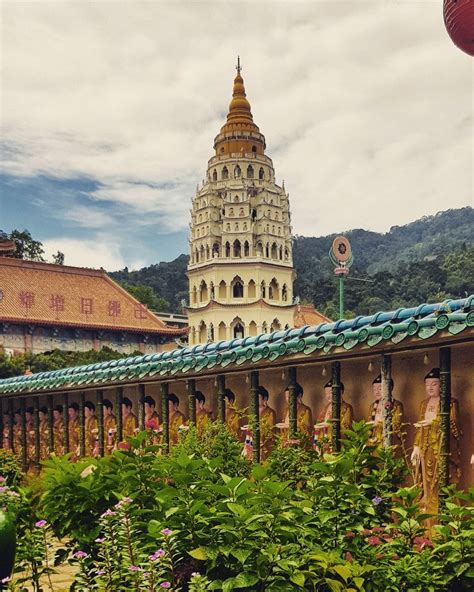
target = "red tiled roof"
x: 306, y: 314
x: 45, y: 293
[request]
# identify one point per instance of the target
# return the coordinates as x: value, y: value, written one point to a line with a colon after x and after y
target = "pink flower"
x: 157, y: 554
x: 40, y: 524
x: 2, y: 478
x: 133, y: 568
x: 166, y: 531
x: 146, y: 574
x: 350, y: 535
x: 348, y: 556
x: 80, y: 555
x: 100, y: 540
x: 151, y: 424
x: 421, y: 542
x: 108, y: 513
x: 5, y: 580
x: 374, y: 540
x: 366, y: 532
x: 165, y: 585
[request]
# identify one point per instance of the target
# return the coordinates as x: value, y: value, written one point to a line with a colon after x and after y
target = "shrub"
x: 9, y: 467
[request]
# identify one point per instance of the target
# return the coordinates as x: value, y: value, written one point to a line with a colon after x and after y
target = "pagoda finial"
x: 238, y: 67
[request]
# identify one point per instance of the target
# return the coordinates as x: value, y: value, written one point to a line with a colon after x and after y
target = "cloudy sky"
x: 109, y: 110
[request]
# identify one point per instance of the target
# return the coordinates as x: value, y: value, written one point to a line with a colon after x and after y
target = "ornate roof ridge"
x: 420, y: 322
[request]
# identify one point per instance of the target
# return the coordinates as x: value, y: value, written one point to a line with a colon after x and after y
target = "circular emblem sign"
x: 341, y: 249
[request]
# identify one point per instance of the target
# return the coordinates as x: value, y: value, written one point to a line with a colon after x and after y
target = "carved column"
x: 336, y: 406
x: 118, y: 405
x: 165, y: 412
x: 192, y: 400
x: 292, y: 408
x: 221, y: 398
x: 36, y: 423
x: 141, y: 407
x: 50, y: 424
x: 11, y: 410
x: 100, y: 421
x: 445, y: 409
x: 255, y: 415
x: 66, y: 422
x: 24, y: 454
x: 82, y: 425
x: 387, y: 400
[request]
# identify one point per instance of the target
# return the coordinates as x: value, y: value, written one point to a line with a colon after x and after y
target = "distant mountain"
x: 429, y: 259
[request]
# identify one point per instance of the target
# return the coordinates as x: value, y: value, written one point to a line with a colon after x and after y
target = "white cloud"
x: 366, y: 105
x: 87, y: 253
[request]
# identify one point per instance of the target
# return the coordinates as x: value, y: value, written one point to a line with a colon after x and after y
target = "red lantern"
x: 459, y: 21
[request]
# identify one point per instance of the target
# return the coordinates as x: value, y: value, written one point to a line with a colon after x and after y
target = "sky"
x: 109, y: 111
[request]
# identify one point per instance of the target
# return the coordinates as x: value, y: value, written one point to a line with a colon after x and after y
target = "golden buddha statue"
x: 203, y: 415
x: 6, y: 444
x: 232, y: 418
x: 73, y: 430
x: 427, y: 448
x: 17, y: 435
x: 91, y: 430
x: 129, y: 419
x: 267, y: 423
x: 30, y: 435
x: 43, y: 432
x: 58, y: 430
x: 323, y: 427
x: 110, y: 426
x: 304, y: 416
x: 376, y: 415
x: 176, y: 418
x: 152, y: 419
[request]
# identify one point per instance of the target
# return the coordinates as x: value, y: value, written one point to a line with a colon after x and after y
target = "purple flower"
x: 165, y: 585
x: 157, y: 554
x: 376, y: 500
x: 80, y: 555
x: 40, y: 524
x: 2, y: 489
x: 146, y: 574
x: 133, y: 568
x: 166, y: 532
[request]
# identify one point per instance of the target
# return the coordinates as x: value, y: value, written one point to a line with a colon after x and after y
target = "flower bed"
x: 202, y: 518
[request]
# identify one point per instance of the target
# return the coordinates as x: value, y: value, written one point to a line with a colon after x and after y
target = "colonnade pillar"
x: 292, y: 407
x: 165, y: 412
x: 255, y: 415
x: 387, y: 400
x: 221, y: 398
x: 445, y: 410
x: 336, y: 406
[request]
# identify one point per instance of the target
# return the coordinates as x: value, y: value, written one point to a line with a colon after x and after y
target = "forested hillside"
x: 429, y: 259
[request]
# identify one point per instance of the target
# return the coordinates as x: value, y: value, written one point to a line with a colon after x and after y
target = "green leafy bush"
x: 296, y: 523
x: 9, y: 467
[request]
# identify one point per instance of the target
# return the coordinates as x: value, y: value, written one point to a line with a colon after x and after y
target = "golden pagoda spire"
x: 239, y: 108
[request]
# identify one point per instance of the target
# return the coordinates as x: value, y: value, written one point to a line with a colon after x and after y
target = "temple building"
x: 241, y: 265
x: 45, y: 307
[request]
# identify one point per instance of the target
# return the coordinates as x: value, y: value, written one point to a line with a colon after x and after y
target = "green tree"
x: 146, y: 295
x: 26, y: 246
x: 58, y: 258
